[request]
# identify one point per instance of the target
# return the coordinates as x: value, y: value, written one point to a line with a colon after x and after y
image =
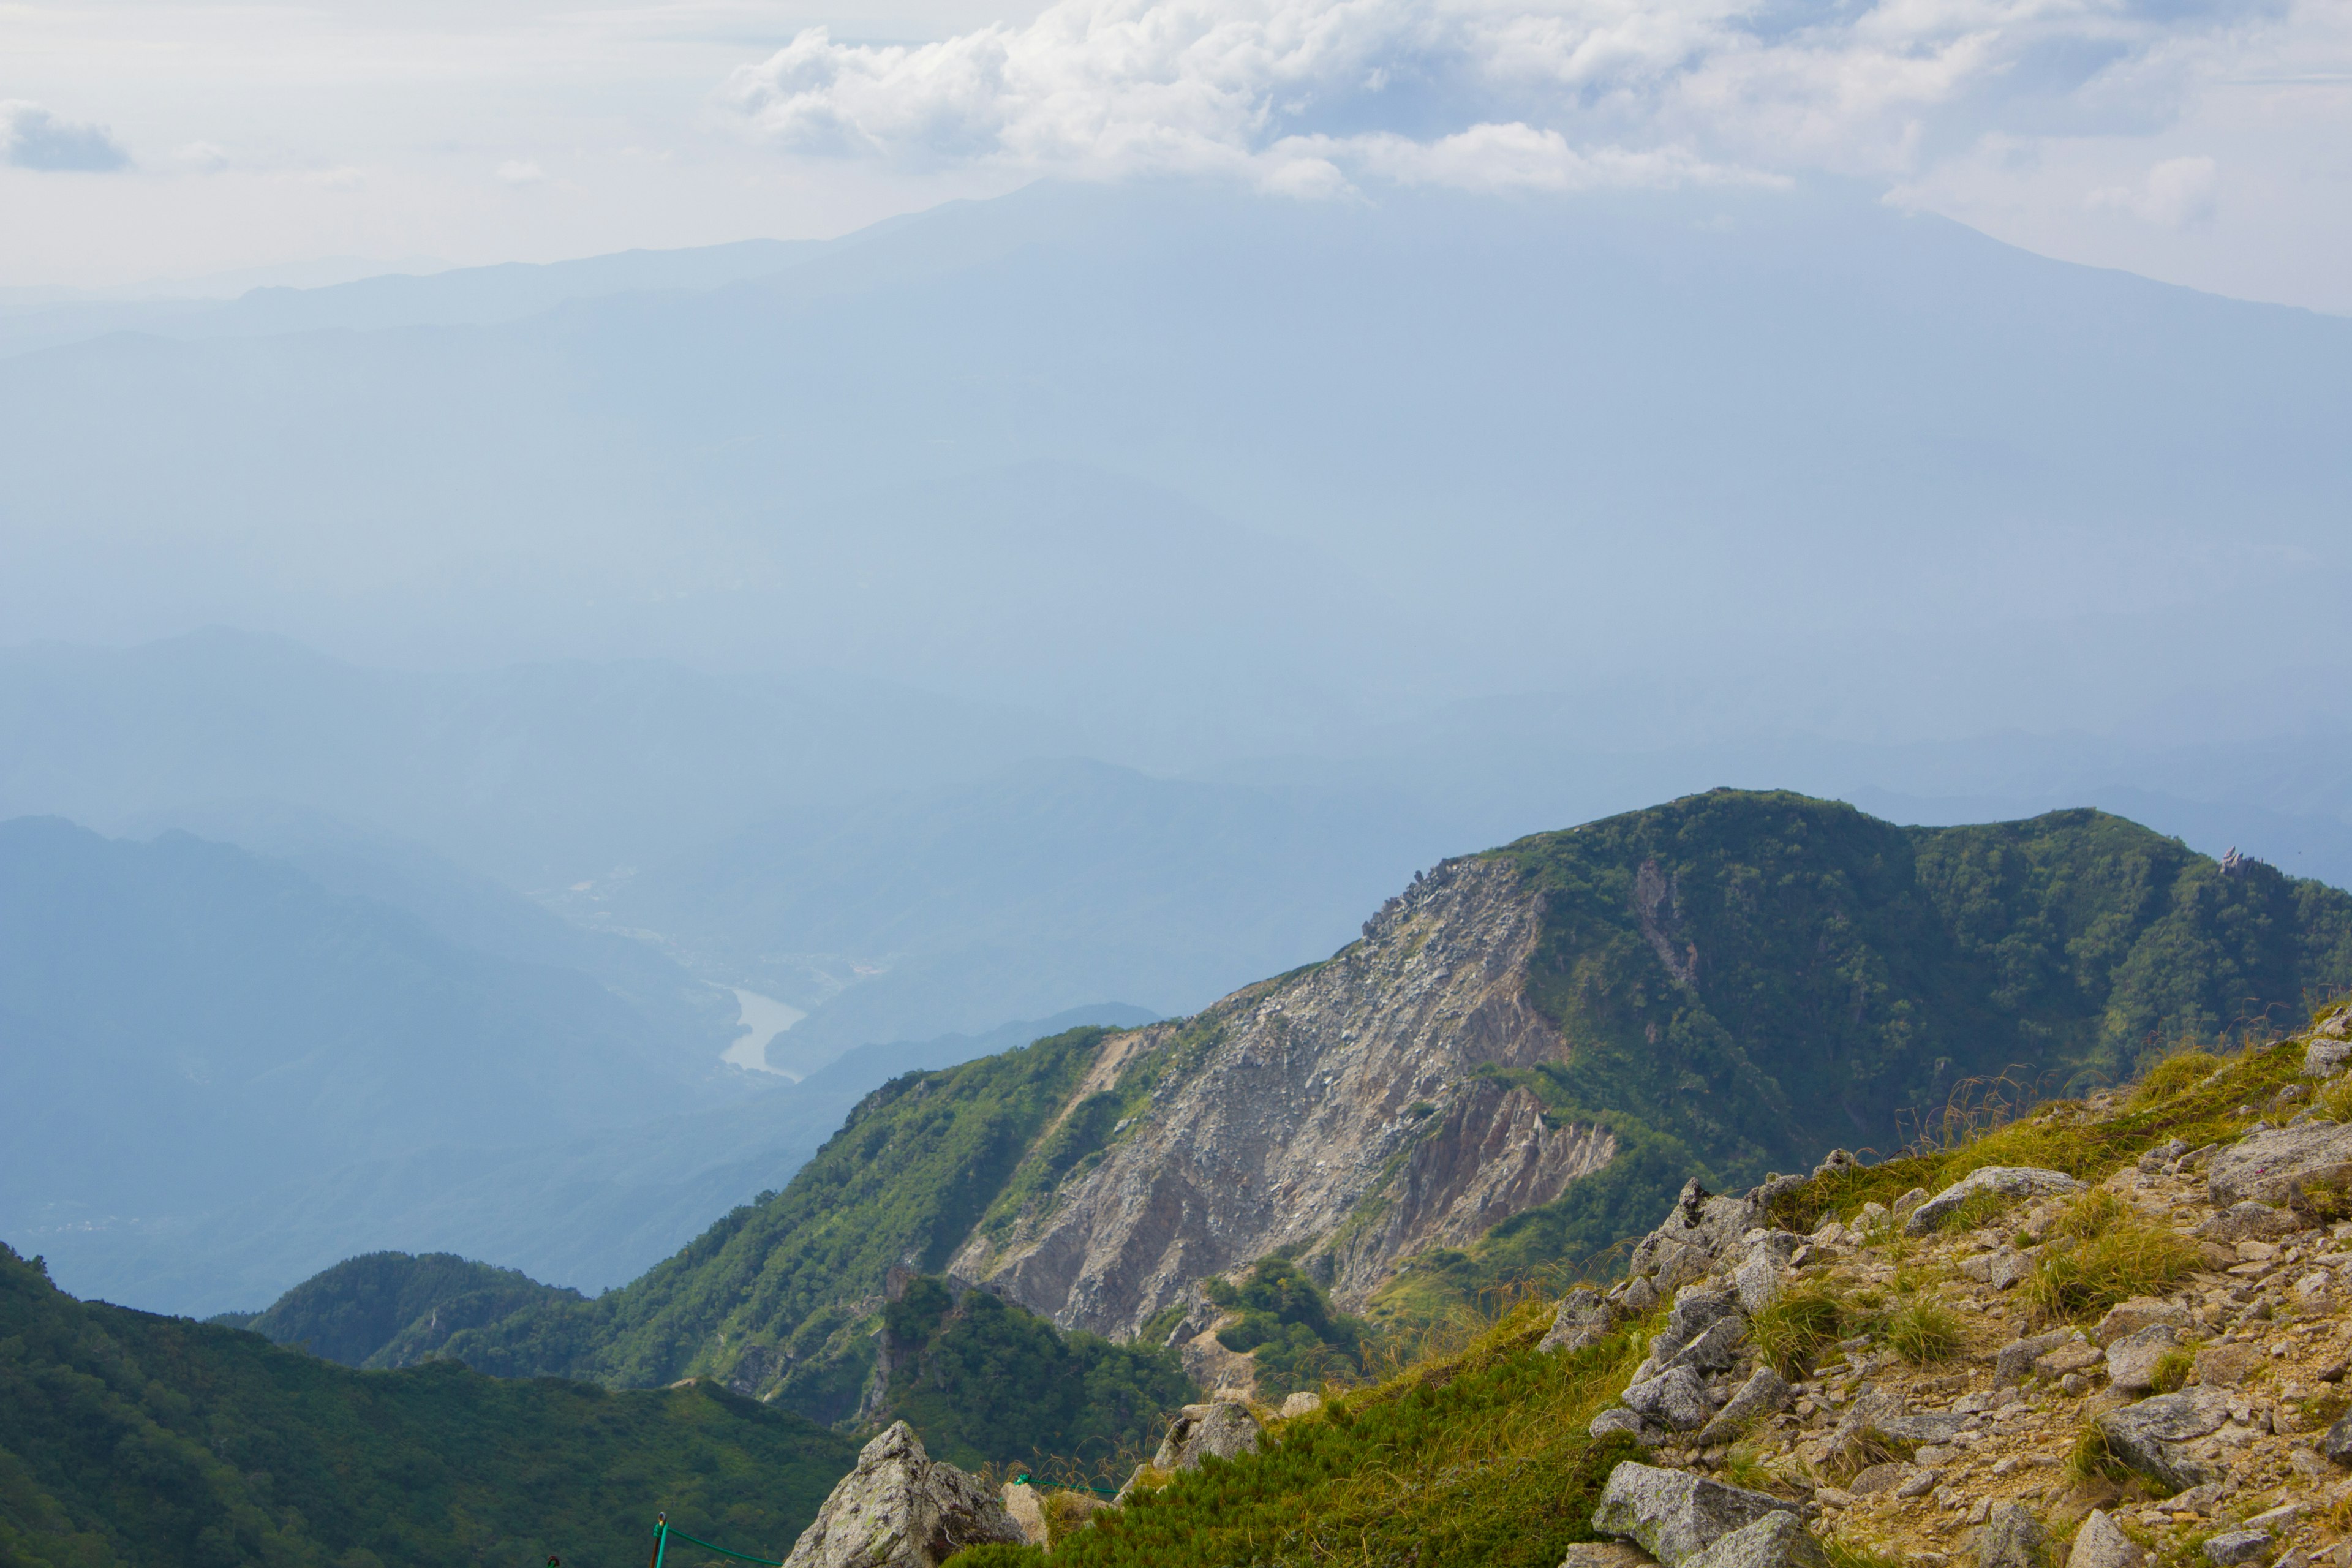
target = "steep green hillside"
x: 1740, y: 981
x: 130, y: 1438
x: 391, y: 1310
x: 905, y: 1178
x: 983, y: 1380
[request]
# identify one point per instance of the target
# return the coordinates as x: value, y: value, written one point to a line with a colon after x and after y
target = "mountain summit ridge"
x: 1528, y: 1055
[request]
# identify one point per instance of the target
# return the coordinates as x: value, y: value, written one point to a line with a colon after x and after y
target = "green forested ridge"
x: 1742, y: 980
x: 983, y: 1380
x: 1284, y: 1320
x: 126, y: 1437
x: 905, y: 1178
x: 1836, y: 979
x: 392, y: 1309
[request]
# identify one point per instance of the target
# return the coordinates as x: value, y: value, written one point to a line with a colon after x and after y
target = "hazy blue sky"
x: 2203, y: 141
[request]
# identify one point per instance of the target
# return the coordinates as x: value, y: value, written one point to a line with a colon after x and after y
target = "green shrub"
x: 1921, y: 1330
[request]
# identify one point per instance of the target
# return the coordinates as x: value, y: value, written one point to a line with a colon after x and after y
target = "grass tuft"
x: 1922, y: 1331
x: 2094, y: 1458
x: 2115, y: 1255
x: 1792, y: 1331
x: 2170, y: 1375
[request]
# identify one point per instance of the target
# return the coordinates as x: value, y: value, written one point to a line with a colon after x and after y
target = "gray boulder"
x: 1713, y: 1351
x: 2247, y: 1222
x: 1700, y: 1228
x: 1765, y: 1394
x: 1760, y: 1281
x: 2232, y: 1547
x: 1606, y: 1554
x: 2336, y: 1442
x: 2013, y: 1363
x: 2259, y: 1169
x: 2010, y: 1181
x: 2139, y: 1312
x: 2012, y: 1537
x: 2102, y: 1543
x: 1617, y: 1418
x: 1776, y: 1540
x: 1219, y: 1431
x: 1583, y: 1319
x: 2150, y: 1436
x: 1675, y: 1396
x: 901, y: 1508
x: 2131, y: 1360
x: 1676, y: 1515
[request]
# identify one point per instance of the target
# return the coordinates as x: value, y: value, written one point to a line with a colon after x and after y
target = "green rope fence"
x: 662, y: 1531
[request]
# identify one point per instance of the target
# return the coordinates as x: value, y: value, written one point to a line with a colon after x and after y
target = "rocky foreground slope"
x: 2113, y: 1335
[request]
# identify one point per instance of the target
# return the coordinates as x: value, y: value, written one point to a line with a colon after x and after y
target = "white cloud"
x: 521, y: 171
x: 2176, y: 194
x: 33, y: 137
x: 201, y: 155
x: 1310, y: 94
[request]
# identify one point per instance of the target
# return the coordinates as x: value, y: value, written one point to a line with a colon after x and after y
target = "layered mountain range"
x: 1516, y: 1066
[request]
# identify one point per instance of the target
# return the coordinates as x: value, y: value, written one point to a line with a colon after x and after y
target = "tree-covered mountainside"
x: 130, y: 1438
x: 1744, y: 979
x: 393, y: 1309
x: 1729, y: 984
x: 984, y: 1380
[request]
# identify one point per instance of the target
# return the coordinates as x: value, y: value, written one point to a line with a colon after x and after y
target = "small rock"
x: 2074, y: 1355
x: 2336, y: 1441
x: 2236, y: 1546
x: 1606, y: 1554
x: 1219, y: 1431
x: 2014, y: 1361
x: 2226, y: 1366
x: 1306, y: 1402
x: 1760, y: 1281
x: 1674, y: 1514
x: 1764, y: 1393
x: 2010, y: 1181
x: 1676, y: 1398
x: 901, y: 1508
x: 1617, y: 1418
x: 1776, y: 1540
x: 1879, y: 1479
x: 1583, y: 1319
x: 1910, y: 1201
x: 1920, y: 1484
x: 2012, y: 1538
x: 2131, y: 1360
x: 2140, y: 1312
x: 2102, y: 1543
x: 2277, y: 1520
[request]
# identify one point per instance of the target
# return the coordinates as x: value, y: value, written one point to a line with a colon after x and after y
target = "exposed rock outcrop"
x: 1337, y: 1110
x: 901, y: 1508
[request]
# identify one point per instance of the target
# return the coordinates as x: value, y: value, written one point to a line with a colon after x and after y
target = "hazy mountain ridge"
x: 1525, y: 1050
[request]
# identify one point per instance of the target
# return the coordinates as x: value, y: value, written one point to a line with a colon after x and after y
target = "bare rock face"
x: 901, y: 1508
x: 1676, y: 1515
x: 1345, y: 1091
x: 1219, y: 1431
x: 2262, y: 1168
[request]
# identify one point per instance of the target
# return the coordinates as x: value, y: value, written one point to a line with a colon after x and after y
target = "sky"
x: 2199, y: 141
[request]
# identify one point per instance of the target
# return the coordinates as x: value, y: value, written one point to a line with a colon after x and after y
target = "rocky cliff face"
x: 1332, y: 1112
